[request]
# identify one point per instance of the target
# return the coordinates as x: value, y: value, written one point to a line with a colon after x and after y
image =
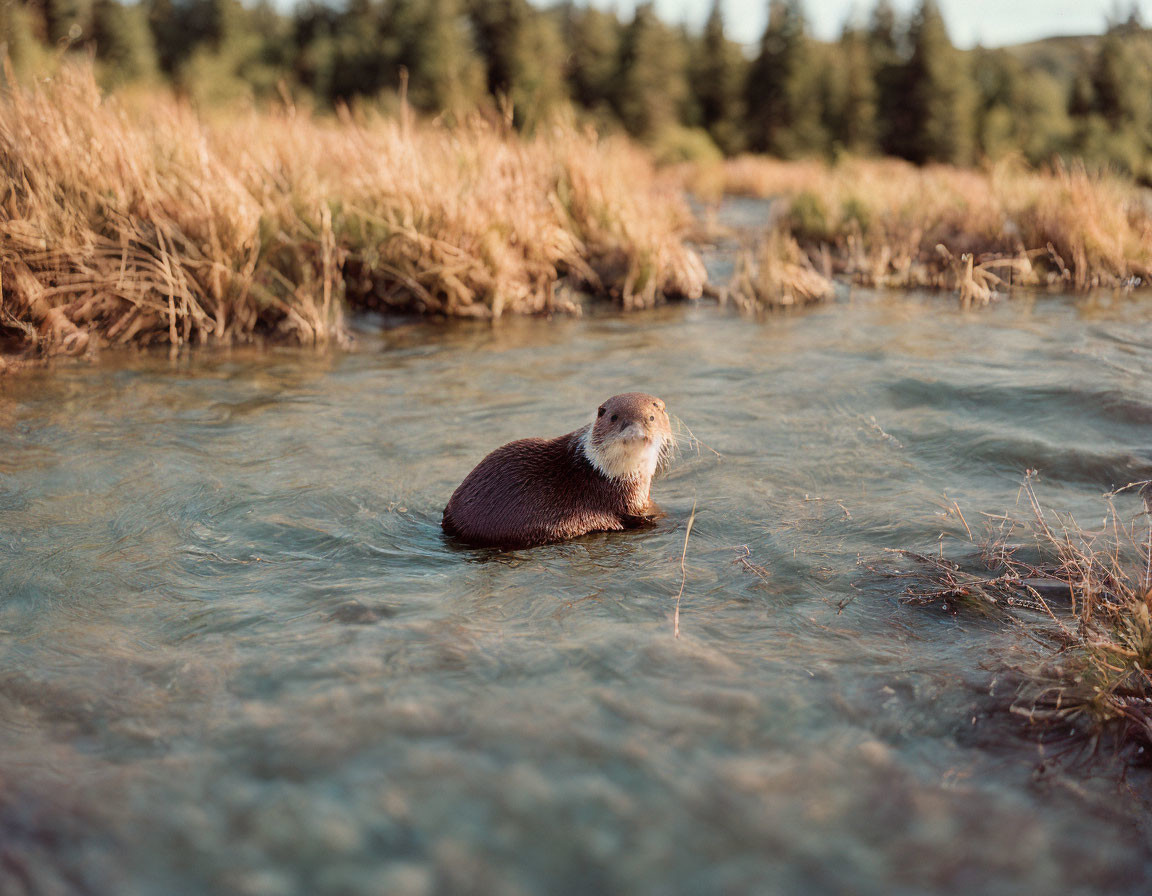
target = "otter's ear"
x: 600, y: 413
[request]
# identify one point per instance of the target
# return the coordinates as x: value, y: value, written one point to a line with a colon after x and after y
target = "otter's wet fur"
x: 594, y: 479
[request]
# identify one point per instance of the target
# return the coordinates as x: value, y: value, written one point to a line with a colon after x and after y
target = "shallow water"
x: 236, y: 654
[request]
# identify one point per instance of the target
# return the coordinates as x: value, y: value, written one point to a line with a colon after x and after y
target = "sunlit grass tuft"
x: 890, y: 224
x: 777, y: 274
x: 137, y: 220
x: 1086, y: 594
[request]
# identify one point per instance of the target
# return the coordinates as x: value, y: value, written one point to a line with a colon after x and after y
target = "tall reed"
x: 889, y: 223
x: 139, y: 220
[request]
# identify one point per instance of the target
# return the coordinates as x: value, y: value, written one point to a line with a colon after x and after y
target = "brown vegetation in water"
x: 1085, y: 594
x: 888, y: 223
x: 777, y: 274
x: 135, y: 220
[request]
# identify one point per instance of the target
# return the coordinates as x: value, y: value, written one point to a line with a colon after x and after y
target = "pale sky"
x: 990, y: 22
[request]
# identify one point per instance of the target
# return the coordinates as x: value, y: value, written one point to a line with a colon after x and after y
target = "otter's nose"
x: 633, y: 430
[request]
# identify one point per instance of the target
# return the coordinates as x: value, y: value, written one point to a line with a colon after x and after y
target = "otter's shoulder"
x: 537, y: 454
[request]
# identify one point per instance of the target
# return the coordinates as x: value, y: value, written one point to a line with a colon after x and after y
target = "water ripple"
x: 238, y: 654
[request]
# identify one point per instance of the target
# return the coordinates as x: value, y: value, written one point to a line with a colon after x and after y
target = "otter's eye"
x: 651, y: 417
x: 615, y: 417
x: 600, y: 413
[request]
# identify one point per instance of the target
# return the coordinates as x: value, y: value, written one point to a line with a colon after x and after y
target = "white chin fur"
x: 623, y: 459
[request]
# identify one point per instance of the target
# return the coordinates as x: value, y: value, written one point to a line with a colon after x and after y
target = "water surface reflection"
x: 236, y: 654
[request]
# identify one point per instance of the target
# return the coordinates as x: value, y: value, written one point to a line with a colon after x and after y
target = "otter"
x: 540, y: 491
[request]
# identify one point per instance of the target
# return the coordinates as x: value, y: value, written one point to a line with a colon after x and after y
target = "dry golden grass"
x: 777, y: 274
x: 136, y: 220
x: 1085, y: 593
x: 888, y: 223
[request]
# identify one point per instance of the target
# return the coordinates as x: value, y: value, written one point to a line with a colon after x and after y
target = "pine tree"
x: 850, y: 94
x: 650, y: 82
x: 1042, y: 126
x: 181, y: 27
x: 592, y: 38
x: 887, y: 57
x: 363, y: 52
x: 718, y: 72
x: 1112, y: 102
x: 313, y: 46
x: 1081, y: 99
x: 122, y: 41
x: 434, y: 46
x: 938, y: 94
x: 782, y: 91
x: 1018, y: 109
x: 519, y: 47
x: 1120, y: 83
x: 165, y: 21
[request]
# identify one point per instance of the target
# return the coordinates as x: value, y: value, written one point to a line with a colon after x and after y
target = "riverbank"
x: 137, y: 220
x: 134, y: 219
x: 887, y: 223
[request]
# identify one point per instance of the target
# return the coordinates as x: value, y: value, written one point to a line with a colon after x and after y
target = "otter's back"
x: 536, y: 491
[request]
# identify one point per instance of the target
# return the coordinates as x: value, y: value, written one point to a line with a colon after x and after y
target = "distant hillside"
x: 1061, y: 57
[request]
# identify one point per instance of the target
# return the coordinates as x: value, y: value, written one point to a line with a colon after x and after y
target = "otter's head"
x: 629, y: 437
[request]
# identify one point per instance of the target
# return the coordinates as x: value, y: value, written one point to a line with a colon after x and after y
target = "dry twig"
x: 683, y: 573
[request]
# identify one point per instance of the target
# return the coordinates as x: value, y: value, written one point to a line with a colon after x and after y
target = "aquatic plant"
x: 1085, y: 594
x: 134, y: 219
x: 777, y: 274
x: 889, y: 223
